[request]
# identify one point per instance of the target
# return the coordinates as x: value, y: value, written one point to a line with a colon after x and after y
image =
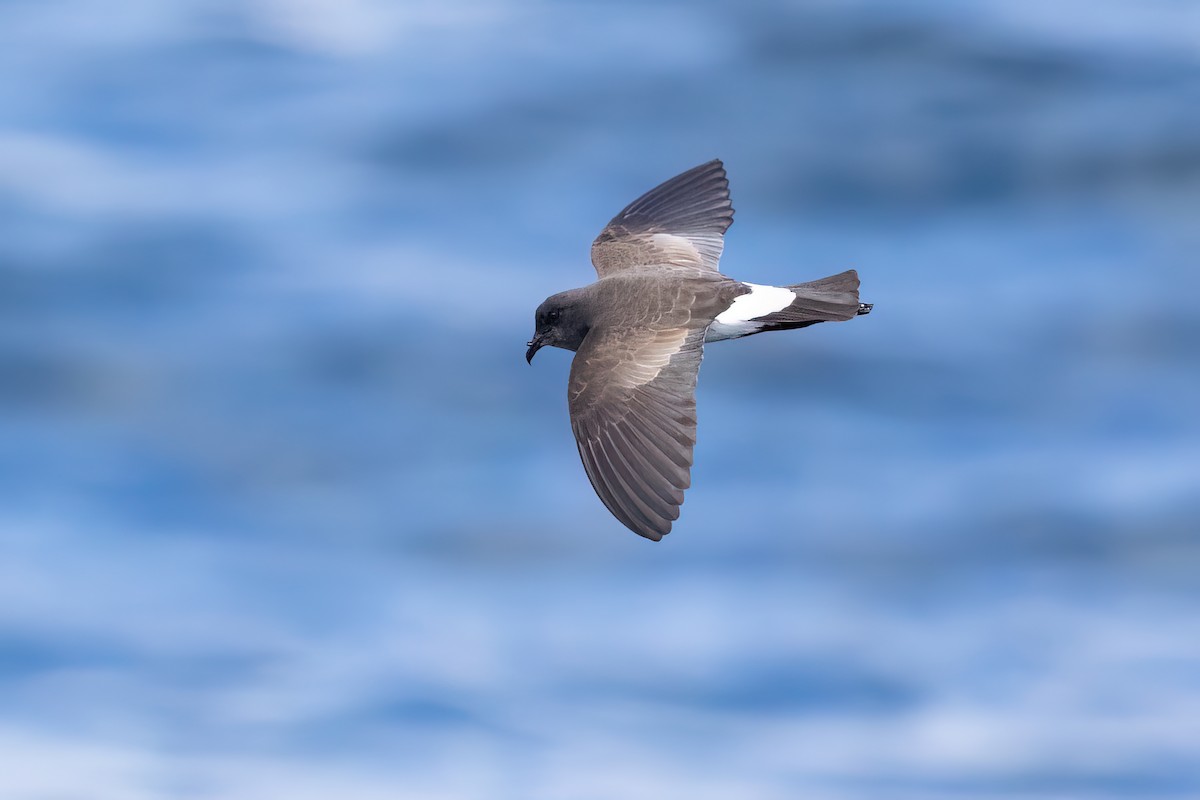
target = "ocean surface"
x: 285, y: 514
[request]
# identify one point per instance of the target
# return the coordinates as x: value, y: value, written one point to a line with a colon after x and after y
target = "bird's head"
x: 561, y: 321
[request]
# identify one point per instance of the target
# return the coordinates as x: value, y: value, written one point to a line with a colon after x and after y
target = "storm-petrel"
x: 639, y: 331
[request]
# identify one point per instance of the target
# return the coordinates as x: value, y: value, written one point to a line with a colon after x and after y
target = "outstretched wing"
x: 681, y: 222
x: 632, y: 396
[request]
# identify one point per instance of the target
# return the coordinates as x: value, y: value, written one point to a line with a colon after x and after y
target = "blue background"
x: 284, y: 513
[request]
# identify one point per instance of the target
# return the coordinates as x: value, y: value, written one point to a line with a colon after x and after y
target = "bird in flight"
x: 638, y: 334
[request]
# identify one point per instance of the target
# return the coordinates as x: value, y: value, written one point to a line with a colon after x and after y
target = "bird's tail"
x: 831, y: 299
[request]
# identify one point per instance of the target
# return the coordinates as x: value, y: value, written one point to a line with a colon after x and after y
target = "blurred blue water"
x: 285, y: 514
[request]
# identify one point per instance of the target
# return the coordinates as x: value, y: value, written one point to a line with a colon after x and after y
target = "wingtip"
x: 655, y: 533
x: 712, y: 167
x: 717, y: 166
x: 652, y: 535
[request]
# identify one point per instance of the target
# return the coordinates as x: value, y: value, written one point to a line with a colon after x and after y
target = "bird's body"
x: 638, y: 333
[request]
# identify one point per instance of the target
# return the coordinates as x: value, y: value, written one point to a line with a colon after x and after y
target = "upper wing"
x: 681, y: 222
x: 633, y: 410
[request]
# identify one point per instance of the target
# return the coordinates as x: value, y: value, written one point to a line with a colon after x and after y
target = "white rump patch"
x: 739, y: 318
x: 761, y: 301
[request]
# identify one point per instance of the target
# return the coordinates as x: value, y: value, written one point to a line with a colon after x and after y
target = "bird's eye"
x: 553, y: 316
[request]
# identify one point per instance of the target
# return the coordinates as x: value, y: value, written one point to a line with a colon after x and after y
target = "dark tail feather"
x: 831, y: 299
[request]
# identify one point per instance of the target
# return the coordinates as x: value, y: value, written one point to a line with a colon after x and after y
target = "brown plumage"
x: 638, y: 334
